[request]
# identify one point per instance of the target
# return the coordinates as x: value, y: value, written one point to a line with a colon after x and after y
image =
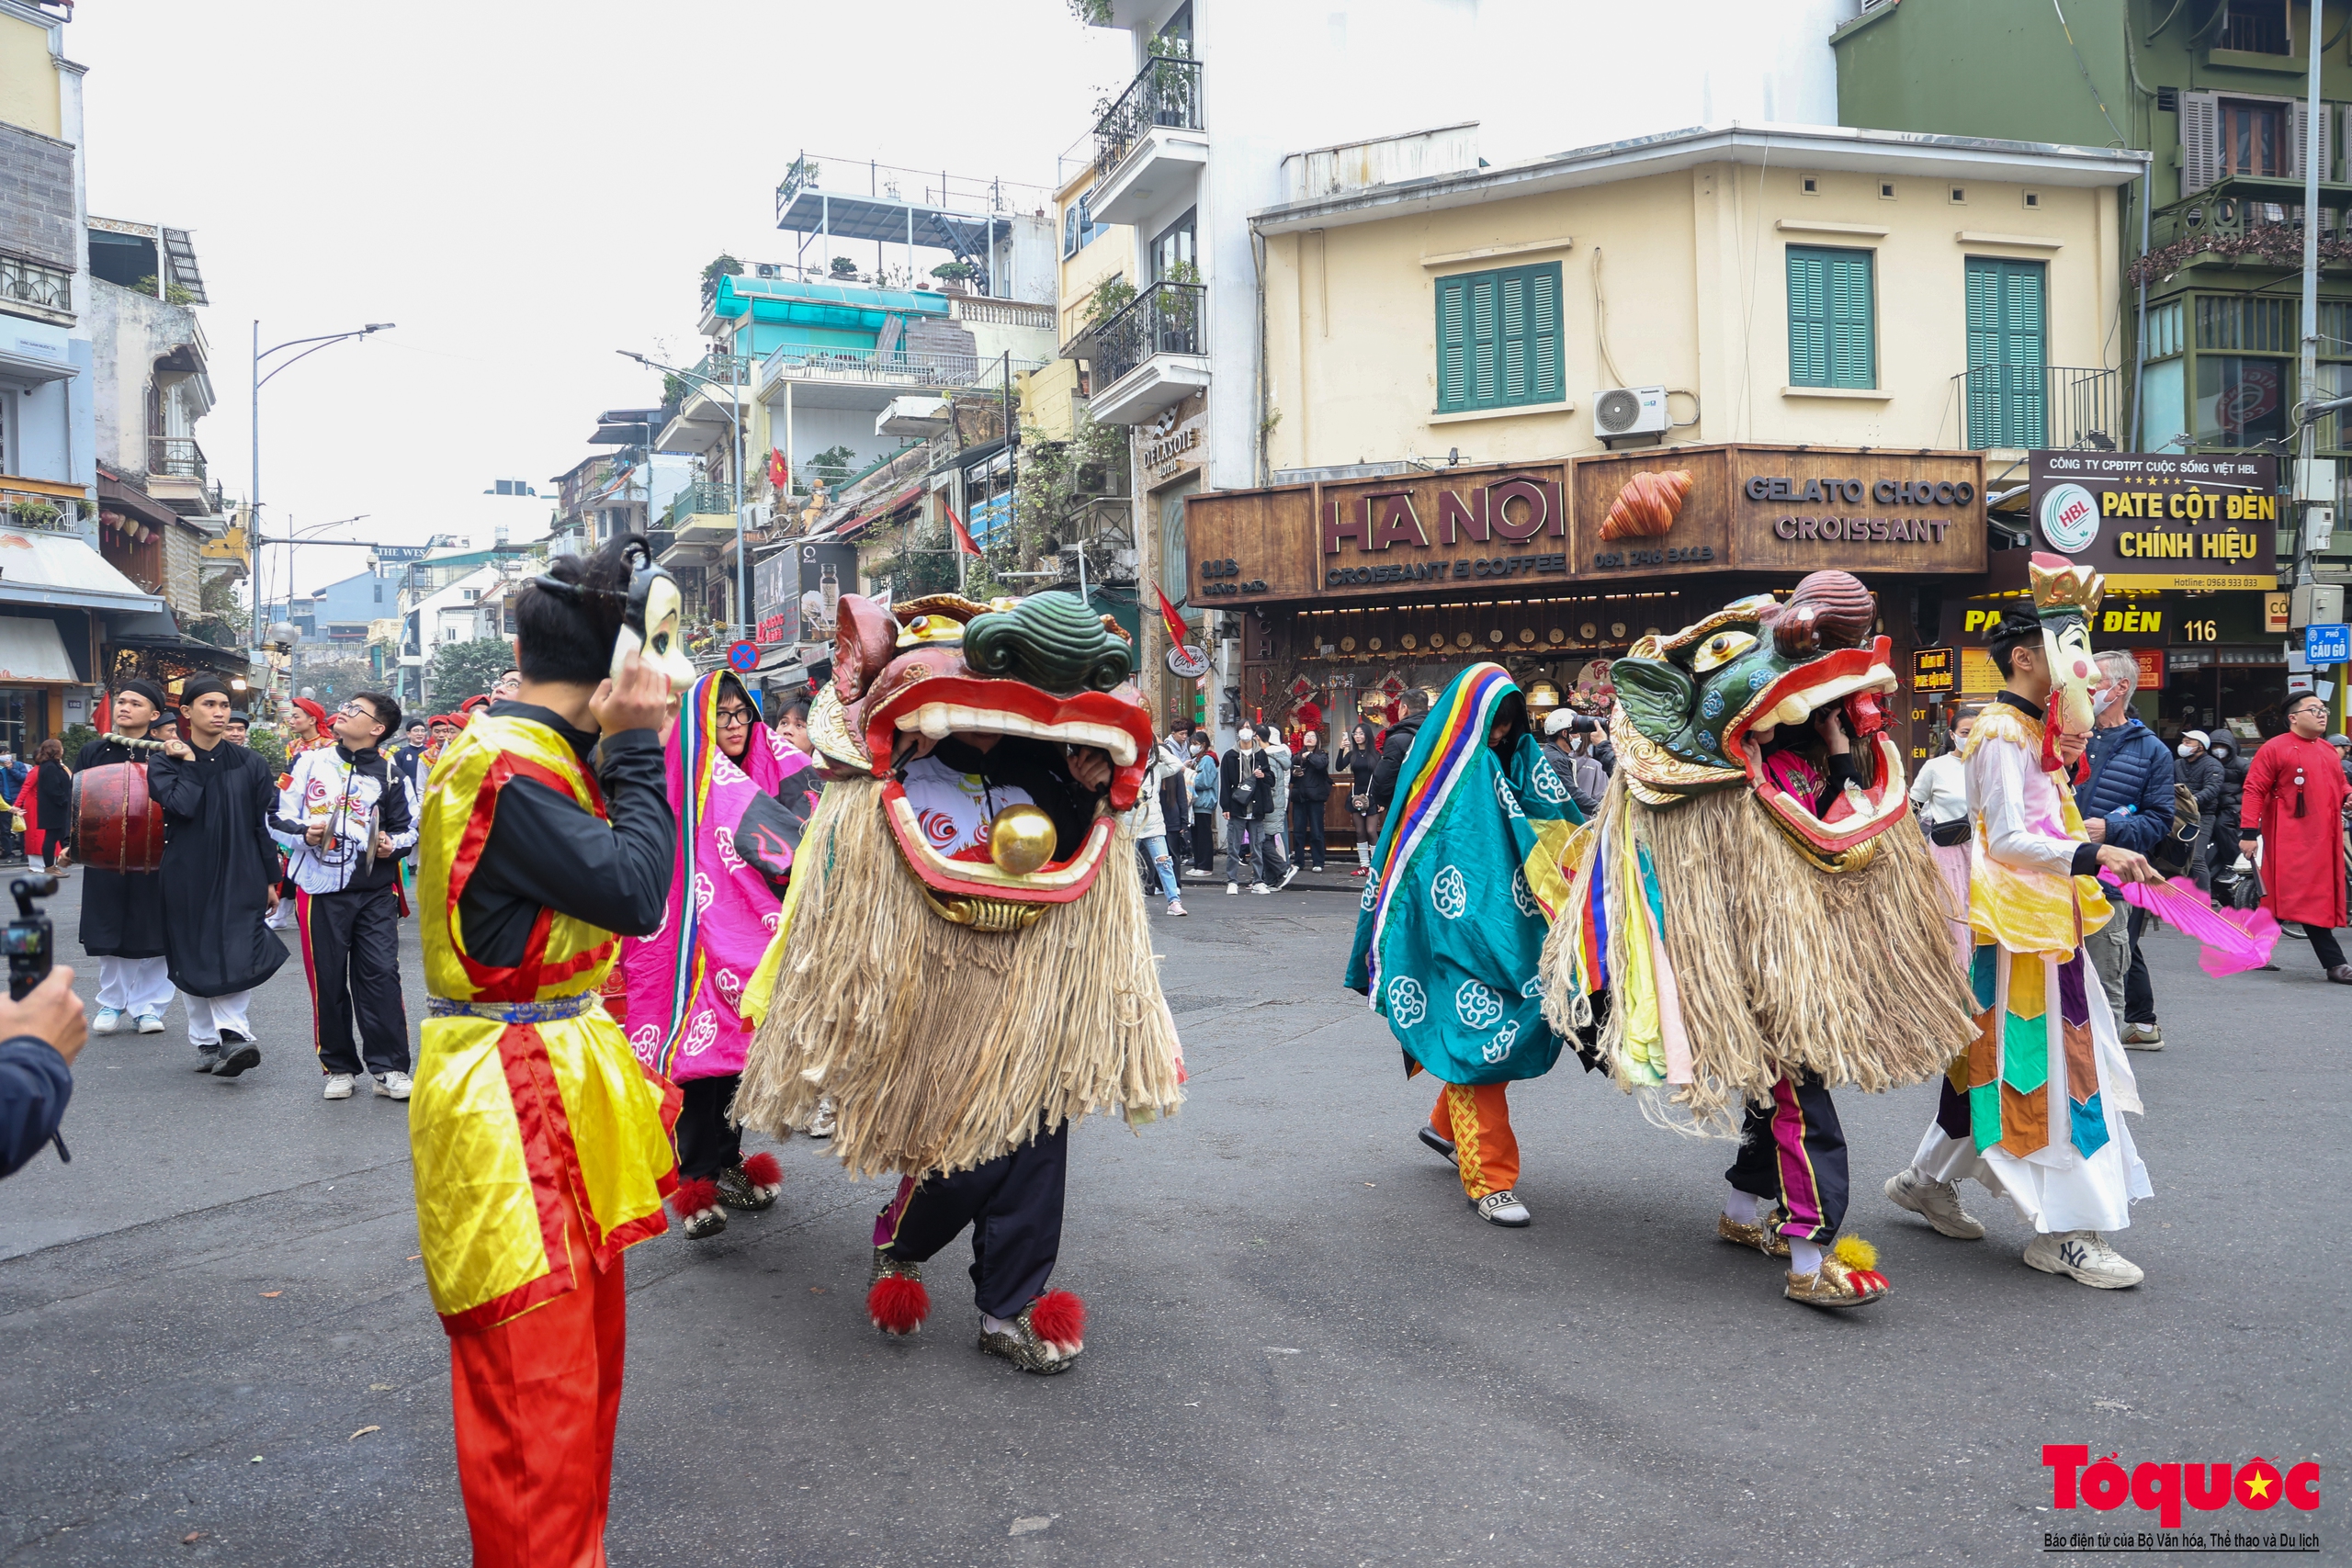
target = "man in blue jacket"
x: 2128, y: 802
x: 39, y: 1037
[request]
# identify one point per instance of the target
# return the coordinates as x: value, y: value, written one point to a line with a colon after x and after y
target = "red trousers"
x: 535, y: 1400
x: 1475, y: 1118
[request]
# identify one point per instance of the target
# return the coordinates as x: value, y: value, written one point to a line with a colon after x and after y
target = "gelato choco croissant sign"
x: 1663, y: 512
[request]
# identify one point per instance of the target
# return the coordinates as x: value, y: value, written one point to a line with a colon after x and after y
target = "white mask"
x: 2187, y: 749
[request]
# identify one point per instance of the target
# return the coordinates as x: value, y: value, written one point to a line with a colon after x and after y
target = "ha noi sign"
x: 1678, y: 511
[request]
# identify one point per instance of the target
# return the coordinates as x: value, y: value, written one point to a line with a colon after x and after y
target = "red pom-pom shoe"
x: 697, y: 1204
x: 752, y: 1183
x: 1045, y: 1339
x: 1059, y: 1318
x: 896, y: 1302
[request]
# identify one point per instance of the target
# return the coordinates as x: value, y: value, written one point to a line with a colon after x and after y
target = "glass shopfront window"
x: 24, y: 720
x: 2241, y: 400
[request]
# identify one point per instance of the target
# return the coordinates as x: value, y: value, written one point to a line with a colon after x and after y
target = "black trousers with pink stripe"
x: 1013, y: 1205
x: 1792, y: 1152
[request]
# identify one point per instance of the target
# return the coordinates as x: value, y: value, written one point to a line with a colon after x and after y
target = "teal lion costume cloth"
x: 1465, y: 875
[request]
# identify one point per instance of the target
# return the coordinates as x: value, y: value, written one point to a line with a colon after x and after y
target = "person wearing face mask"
x: 2127, y: 801
x: 1568, y: 747
x: 1205, y: 788
x: 2197, y: 767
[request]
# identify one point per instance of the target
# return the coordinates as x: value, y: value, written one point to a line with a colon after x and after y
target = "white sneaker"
x: 2084, y: 1256
x: 820, y: 1125
x: 1288, y: 877
x: 1177, y: 907
x: 108, y: 1020
x: 338, y: 1085
x: 151, y: 1023
x: 1256, y: 887
x: 393, y: 1086
x: 1937, y: 1203
x: 1232, y: 888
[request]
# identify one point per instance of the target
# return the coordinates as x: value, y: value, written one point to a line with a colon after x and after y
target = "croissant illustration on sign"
x: 1647, y: 506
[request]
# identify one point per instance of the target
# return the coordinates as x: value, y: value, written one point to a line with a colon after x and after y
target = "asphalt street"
x: 216, y: 1345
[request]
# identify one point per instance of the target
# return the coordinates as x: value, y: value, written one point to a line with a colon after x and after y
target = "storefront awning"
x: 30, y: 650
x: 41, y: 568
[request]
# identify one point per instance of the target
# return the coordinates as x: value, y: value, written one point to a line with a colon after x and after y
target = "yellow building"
x: 1765, y: 283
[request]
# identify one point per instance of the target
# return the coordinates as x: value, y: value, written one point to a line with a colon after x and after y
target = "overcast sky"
x: 524, y: 186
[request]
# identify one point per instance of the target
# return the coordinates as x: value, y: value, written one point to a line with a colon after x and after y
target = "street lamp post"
x: 735, y: 418
x: 253, y: 499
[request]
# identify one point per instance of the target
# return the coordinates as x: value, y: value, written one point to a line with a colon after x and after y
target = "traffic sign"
x: 1931, y: 669
x: 2327, y: 643
x: 742, y: 656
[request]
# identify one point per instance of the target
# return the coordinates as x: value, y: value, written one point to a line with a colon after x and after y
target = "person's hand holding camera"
x: 50, y: 1011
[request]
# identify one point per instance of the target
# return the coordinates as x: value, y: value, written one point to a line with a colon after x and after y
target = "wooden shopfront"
x: 1351, y: 590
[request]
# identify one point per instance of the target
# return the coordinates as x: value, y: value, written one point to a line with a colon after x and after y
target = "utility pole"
x: 2315, y: 512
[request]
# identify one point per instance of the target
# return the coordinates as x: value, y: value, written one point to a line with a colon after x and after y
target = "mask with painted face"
x: 650, y: 624
x: 2067, y: 596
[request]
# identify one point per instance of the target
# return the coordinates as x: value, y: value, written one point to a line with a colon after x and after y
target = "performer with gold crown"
x: 542, y: 1146
x: 2034, y: 1107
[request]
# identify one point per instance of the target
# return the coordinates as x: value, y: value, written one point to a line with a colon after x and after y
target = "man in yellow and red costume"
x: 542, y: 1149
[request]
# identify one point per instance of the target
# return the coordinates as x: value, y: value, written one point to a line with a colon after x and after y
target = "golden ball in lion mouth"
x: 1021, y: 840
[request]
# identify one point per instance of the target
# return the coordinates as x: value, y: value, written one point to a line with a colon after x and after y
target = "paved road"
x: 1304, y: 1349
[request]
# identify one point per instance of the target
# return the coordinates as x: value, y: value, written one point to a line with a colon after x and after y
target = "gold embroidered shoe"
x: 1762, y: 1235
x: 1846, y: 1278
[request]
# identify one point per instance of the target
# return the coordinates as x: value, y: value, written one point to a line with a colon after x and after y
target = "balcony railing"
x: 1166, y: 92
x: 883, y: 368
x: 30, y: 283
x: 726, y: 370
x: 702, y: 498
x: 1167, y: 318
x: 2244, y: 217
x: 2039, y: 406
x: 175, y: 457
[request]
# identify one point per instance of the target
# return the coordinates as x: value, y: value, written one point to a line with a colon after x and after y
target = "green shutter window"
x: 2009, y: 347
x: 1498, y: 339
x: 1833, y: 338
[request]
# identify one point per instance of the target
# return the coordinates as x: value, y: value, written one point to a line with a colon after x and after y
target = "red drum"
x: 117, y: 826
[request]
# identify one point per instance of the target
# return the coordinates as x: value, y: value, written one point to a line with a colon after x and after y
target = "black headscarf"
x: 148, y: 689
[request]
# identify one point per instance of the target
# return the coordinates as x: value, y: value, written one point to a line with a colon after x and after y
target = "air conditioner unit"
x: 1629, y: 411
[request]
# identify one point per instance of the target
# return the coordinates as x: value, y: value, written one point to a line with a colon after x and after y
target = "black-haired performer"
x: 122, y: 911
x: 541, y: 1148
x: 345, y: 817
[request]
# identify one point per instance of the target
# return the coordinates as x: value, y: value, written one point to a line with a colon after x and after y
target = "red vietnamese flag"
x: 1176, y: 628
x: 779, y: 471
x: 963, y: 542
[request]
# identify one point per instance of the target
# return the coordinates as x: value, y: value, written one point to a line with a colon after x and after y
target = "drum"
x: 117, y: 826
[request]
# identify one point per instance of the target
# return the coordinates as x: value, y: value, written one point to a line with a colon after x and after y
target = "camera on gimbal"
x: 30, y: 939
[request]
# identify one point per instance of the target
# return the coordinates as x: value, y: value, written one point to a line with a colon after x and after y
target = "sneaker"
x: 1288, y: 877
x: 2085, y: 1256
x: 1231, y: 888
x: 393, y: 1086
x: 108, y: 1020
x: 820, y: 1125
x: 1502, y: 1209
x: 1258, y: 887
x: 1937, y: 1203
x: 207, y: 1057
x: 338, y: 1085
x: 151, y: 1023
x: 1176, y: 908
x: 2142, y: 1037
x: 238, y: 1054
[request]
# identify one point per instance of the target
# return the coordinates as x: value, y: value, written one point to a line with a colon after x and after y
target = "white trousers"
x: 135, y: 985
x: 208, y: 1016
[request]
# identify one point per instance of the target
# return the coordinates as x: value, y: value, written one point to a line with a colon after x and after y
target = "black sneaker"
x: 238, y: 1052
x: 207, y: 1058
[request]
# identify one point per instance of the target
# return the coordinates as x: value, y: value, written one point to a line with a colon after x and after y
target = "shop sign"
x: 1188, y: 661
x: 2148, y: 620
x: 2278, y: 611
x: 1931, y: 669
x: 2159, y: 520
x: 1679, y: 509
x: 1171, y: 445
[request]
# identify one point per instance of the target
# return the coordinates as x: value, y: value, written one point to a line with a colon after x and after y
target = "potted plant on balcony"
x: 956, y: 277
x: 29, y: 512
x: 846, y: 269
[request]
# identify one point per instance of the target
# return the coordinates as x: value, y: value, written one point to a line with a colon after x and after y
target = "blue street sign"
x: 742, y: 658
x: 2327, y: 644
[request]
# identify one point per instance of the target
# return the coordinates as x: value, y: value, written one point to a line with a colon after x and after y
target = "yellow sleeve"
x: 762, y: 986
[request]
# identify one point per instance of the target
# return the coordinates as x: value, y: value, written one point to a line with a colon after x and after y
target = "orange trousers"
x: 535, y: 1401
x: 1476, y: 1119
